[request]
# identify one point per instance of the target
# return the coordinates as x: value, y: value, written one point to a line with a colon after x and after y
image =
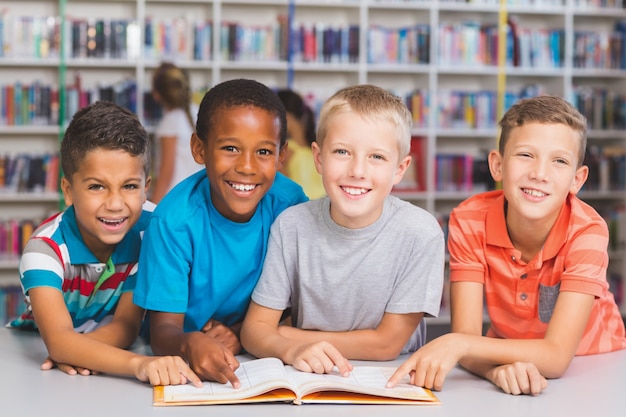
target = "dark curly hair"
x: 239, y: 93
x: 105, y: 125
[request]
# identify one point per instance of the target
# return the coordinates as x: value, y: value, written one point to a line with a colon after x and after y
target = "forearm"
x: 265, y: 341
x: 485, y: 353
x: 115, y: 334
x: 168, y: 340
x: 370, y: 344
x: 84, y: 351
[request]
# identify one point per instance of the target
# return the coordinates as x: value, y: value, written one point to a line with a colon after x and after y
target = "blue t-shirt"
x: 195, y: 261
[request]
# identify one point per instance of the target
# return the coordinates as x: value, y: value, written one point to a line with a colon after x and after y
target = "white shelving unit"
x: 324, y: 78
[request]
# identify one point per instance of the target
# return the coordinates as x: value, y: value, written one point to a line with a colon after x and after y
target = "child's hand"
x: 68, y: 369
x: 164, y: 370
x: 429, y: 366
x: 227, y: 336
x: 320, y: 358
x: 518, y: 378
x: 210, y: 359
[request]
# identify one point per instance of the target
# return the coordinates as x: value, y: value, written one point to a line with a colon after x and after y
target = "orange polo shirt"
x: 519, y: 296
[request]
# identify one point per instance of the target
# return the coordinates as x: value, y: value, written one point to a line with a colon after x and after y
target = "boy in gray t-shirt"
x: 358, y: 269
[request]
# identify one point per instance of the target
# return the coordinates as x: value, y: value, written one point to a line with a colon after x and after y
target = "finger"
x: 83, y: 371
x: 47, y: 364
x: 534, y: 380
x: 343, y: 365
x: 537, y: 384
x: 228, y: 375
x: 428, y: 380
x: 302, y: 365
x: 70, y: 370
x: 400, y: 373
x: 189, y: 375
x: 229, y: 371
x: 207, y: 326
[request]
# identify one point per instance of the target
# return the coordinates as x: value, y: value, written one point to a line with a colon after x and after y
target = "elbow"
x: 386, y: 352
x: 556, y: 370
x: 244, y: 339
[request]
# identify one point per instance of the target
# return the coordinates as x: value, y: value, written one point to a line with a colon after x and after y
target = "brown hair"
x: 172, y: 85
x: 544, y: 109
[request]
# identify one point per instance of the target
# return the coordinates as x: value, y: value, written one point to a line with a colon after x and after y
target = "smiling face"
x: 538, y: 169
x: 360, y: 163
x: 107, y: 192
x: 242, y: 154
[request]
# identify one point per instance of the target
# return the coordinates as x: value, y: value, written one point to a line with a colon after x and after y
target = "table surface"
x: 592, y: 386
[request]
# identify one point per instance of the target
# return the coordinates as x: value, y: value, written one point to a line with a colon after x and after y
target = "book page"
x: 256, y: 377
x: 369, y: 380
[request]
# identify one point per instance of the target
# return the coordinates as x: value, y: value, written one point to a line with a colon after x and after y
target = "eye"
x: 561, y: 161
x: 340, y: 151
x: 379, y: 157
x: 524, y: 154
x: 265, y: 152
x: 229, y: 148
x: 131, y: 186
x: 95, y: 187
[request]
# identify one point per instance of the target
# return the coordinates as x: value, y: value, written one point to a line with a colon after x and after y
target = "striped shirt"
x: 519, y: 296
x: 57, y: 257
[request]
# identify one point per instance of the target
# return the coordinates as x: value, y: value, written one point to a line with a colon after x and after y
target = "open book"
x: 269, y: 380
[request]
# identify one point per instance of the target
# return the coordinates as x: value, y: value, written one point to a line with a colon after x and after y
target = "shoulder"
x: 479, y: 206
x: 184, y: 202
x: 408, y: 218
x: 582, y: 215
x: 481, y: 201
x: 300, y: 213
x: 285, y: 192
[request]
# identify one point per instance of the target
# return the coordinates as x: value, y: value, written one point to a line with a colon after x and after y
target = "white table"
x: 593, y: 386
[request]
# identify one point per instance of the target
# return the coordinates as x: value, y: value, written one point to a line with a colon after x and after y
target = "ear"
x: 402, y: 167
x: 282, y: 155
x: 317, y: 157
x: 147, y: 188
x: 66, y: 188
x: 197, y: 149
x: 579, y: 179
x: 495, y: 165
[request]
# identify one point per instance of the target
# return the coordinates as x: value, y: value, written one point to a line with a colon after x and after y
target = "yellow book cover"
x: 269, y: 380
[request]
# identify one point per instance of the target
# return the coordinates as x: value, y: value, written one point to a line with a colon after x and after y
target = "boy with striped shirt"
x: 78, y: 269
x: 538, y: 256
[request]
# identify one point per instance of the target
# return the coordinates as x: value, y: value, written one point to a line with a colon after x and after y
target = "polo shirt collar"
x: 126, y: 251
x: 498, y: 235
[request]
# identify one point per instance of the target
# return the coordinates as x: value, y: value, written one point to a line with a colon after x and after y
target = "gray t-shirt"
x: 340, y: 279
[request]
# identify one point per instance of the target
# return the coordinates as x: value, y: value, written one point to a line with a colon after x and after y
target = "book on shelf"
x: 269, y: 380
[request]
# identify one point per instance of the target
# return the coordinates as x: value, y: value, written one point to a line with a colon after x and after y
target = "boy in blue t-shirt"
x: 206, y: 241
x: 78, y: 269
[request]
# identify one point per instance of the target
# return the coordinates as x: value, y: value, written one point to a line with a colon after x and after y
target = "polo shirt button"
x: 523, y: 296
x: 513, y: 258
x: 99, y: 269
x: 524, y: 276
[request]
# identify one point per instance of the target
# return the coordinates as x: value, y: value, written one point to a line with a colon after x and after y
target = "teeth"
x: 112, y: 222
x: 243, y: 187
x: 354, y: 191
x: 535, y: 193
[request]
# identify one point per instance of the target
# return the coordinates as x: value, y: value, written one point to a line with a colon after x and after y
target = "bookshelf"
x: 454, y: 96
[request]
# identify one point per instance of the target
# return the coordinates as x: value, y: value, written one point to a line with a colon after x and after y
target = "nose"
x: 245, y: 163
x: 539, y: 170
x: 357, y: 168
x: 114, y: 201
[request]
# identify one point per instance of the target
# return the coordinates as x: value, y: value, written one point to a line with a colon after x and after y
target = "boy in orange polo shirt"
x: 538, y: 256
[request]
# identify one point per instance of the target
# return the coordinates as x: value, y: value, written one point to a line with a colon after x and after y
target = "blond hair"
x: 373, y: 103
x: 544, y: 109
